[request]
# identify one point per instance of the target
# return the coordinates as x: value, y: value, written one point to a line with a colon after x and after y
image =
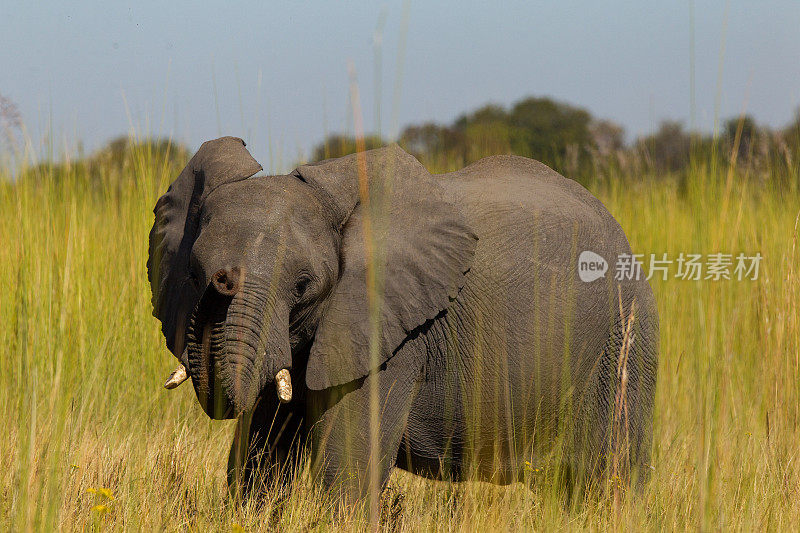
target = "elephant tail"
x: 613, y: 439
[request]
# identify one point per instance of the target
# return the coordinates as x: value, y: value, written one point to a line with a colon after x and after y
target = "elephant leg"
x: 640, y: 394
x: 340, y: 437
x: 264, y: 451
x: 614, y: 432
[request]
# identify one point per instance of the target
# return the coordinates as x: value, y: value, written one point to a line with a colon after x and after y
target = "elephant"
x: 378, y: 316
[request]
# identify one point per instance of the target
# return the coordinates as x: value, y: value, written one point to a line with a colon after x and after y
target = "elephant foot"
x: 264, y: 455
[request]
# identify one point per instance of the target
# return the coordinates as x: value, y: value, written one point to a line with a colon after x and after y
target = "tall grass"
x: 82, y: 362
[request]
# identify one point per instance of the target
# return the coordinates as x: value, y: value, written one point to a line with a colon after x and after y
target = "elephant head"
x: 248, y: 272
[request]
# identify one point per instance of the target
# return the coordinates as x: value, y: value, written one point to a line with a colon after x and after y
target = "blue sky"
x: 276, y: 73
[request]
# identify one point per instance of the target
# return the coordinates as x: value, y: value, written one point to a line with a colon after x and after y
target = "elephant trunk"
x: 237, y: 341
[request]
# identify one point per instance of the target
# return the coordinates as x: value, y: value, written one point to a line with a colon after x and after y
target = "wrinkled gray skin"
x: 490, y: 350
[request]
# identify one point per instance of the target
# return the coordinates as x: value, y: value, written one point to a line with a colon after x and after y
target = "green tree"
x: 338, y: 145
x: 438, y: 147
x: 486, y: 131
x: 606, y: 136
x: 548, y: 130
x: 667, y: 150
x: 748, y: 134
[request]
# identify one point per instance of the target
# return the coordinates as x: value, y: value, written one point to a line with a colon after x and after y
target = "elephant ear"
x: 216, y: 163
x: 421, y: 247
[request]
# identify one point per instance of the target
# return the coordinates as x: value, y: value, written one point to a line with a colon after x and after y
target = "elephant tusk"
x: 283, y: 383
x: 178, y: 376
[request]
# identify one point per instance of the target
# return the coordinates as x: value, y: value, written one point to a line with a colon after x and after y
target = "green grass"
x: 82, y: 362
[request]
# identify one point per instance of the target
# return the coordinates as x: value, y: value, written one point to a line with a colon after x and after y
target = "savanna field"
x: 91, y: 441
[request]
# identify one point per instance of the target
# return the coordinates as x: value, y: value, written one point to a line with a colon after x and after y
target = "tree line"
x: 563, y: 136
x: 570, y: 140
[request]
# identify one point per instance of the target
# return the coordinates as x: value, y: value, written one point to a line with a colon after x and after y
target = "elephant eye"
x: 301, y: 285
